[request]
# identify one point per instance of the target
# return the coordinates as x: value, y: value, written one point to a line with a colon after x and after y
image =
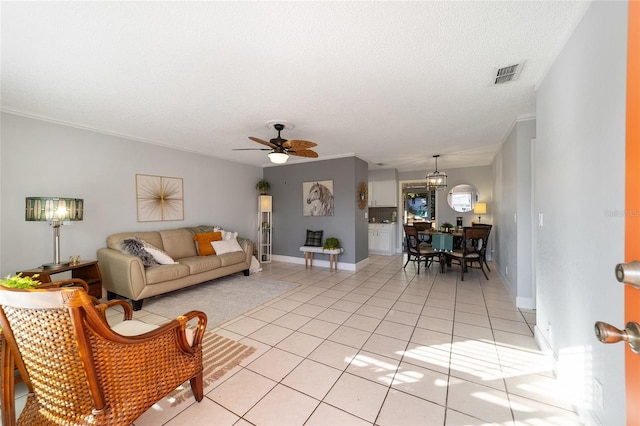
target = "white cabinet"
x: 265, y: 226
x: 382, y: 238
x: 383, y: 193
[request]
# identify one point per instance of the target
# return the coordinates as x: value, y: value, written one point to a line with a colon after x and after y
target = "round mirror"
x: 461, y: 198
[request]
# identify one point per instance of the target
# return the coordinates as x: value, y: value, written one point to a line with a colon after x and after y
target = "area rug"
x: 219, y: 355
x: 221, y: 299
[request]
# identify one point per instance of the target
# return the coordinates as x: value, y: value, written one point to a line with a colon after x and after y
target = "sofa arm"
x: 247, y: 246
x: 122, y: 274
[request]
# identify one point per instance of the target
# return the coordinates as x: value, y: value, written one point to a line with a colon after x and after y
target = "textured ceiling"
x: 391, y: 82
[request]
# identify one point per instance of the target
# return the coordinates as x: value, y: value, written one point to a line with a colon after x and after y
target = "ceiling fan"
x: 281, y: 148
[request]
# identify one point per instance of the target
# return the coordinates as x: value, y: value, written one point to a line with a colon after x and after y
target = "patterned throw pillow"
x: 135, y: 247
x: 314, y: 239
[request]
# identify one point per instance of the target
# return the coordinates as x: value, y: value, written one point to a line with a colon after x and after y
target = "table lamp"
x: 480, y: 209
x: 54, y: 210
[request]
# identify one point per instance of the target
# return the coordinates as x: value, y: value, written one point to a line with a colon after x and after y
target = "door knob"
x: 629, y: 273
x: 606, y: 333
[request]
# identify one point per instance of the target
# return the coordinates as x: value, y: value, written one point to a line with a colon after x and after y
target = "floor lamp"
x: 56, y: 211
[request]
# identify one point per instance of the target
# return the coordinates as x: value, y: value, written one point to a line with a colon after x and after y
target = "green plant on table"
x: 18, y: 281
x: 331, y: 244
x: 446, y: 226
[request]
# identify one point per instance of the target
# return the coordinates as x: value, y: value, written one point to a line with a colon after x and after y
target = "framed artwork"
x: 317, y: 198
x: 159, y: 198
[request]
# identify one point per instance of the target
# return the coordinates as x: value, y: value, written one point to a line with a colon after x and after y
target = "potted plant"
x: 18, y: 281
x: 331, y: 244
x: 446, y: 227
x: 263, y: 187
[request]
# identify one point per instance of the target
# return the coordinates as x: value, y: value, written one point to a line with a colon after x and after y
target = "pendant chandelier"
x: 436, y: 181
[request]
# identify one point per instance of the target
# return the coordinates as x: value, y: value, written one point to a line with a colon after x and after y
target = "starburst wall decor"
x: 159, y: 198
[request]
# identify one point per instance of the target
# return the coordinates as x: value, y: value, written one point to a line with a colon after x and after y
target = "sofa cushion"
x: 162, y: 273
x: 232, y: 258
x: 204, y: 240
x: 198, y: 264
x: 153, y: 238
x: 177, y: 243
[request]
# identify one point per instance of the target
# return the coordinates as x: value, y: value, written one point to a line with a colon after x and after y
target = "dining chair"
x: 418, y: 251
x: 488, y: 226
x: 80, y: 370
x: 421, y: 227
x: 473, y: 246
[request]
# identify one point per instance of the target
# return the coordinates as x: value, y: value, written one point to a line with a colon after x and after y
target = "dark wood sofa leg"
x: 111, y: 295
x: 246, y: 272
x: 137, y: 304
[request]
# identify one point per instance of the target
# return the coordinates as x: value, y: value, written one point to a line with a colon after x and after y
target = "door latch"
x: 629, y: 273
x: 606, y: 333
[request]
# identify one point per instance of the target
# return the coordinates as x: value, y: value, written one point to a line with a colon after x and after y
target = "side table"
x: 87, y: 271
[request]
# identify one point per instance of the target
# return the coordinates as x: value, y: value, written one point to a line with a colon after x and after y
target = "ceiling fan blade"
x: 299, y: 144
x: 303, y: 153
x: 251, y: 149
x: 269, y: 144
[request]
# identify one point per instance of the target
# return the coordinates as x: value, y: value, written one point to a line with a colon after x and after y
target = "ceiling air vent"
x: 506, y: 74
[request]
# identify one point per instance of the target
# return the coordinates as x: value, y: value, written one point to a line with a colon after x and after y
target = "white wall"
x: 40, y: 158
x: 579, y: 187
x: 512, y: 203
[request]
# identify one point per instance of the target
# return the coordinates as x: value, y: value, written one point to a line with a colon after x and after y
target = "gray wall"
x: 348, y: 222
x: 513, y: 218
x: 579, y: 187
x: 40, y: 158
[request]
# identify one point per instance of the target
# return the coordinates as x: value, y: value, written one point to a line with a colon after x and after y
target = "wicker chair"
x: 417, y: 251
x: 79, y: 370
x: 472, y: 250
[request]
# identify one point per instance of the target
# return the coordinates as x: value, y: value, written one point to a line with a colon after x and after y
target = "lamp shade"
x: 278, y: 157
x: 51, y: 209
x: 480, y: 208
x: 265, y: 203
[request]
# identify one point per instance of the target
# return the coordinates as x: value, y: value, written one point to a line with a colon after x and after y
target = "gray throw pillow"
x: 135, y: 247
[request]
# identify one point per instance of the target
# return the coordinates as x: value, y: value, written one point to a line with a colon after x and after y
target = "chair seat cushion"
x: 133, y: 328
x: 136, y: 328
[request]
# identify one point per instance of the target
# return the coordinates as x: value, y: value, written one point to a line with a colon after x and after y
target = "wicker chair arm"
x: 199, y: 330
x: 126, y: 307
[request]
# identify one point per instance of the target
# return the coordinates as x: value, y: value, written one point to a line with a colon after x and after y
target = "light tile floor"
x: 383, y: 346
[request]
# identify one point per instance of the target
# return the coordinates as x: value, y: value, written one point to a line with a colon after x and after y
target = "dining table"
x: 427, y: 234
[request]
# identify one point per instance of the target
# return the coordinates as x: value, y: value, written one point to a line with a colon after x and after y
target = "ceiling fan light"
x: 278, y: 157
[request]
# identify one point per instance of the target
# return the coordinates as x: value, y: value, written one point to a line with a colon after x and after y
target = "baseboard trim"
x: 319, y: 262
x: 525, y: 303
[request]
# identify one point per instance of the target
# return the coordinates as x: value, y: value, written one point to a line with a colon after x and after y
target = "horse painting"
x: 318, y: 198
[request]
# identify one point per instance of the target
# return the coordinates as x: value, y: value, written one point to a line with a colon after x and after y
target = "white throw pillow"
x: 227, y: 235
x: 226, y: 246
x: 160, y: 256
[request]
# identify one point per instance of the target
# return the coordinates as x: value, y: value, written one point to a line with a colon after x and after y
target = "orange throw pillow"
x: 204, y: 240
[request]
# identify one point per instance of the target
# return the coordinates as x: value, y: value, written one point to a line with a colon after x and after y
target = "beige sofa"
x: 124, y: 275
